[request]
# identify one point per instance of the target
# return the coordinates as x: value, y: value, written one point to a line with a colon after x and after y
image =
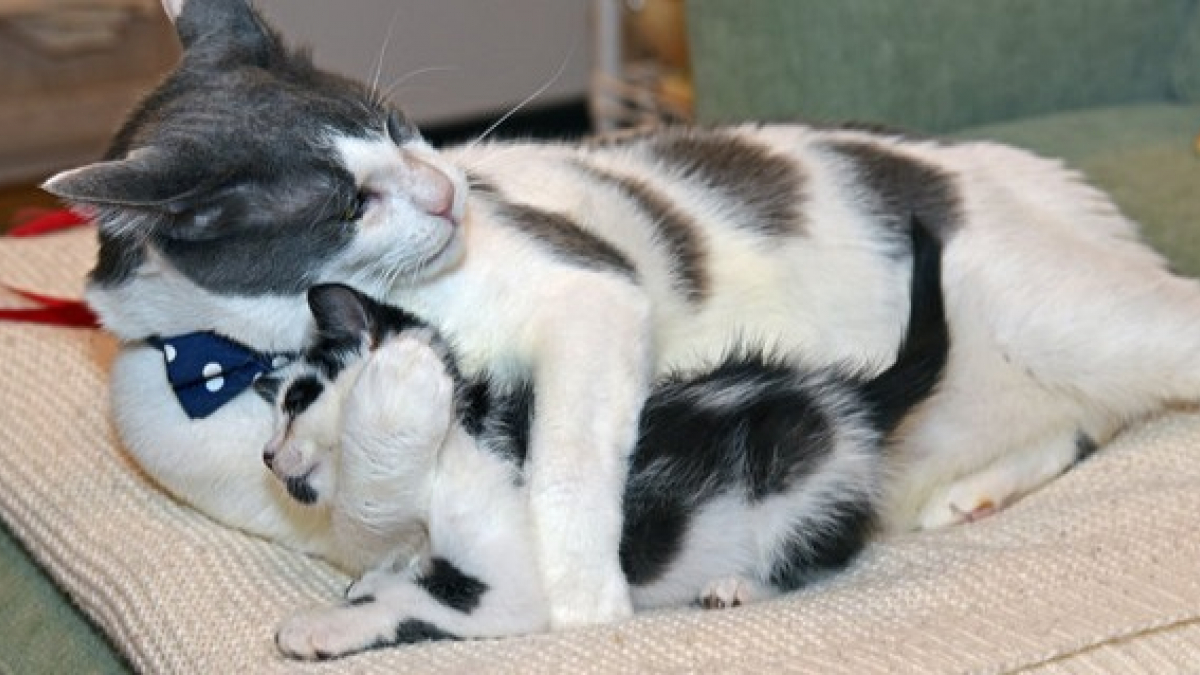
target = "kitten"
x: 592, y: 269
x: 749, y: 478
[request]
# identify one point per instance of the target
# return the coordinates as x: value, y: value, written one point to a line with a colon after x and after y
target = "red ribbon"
x: 47, y: 222
x: 50, y: 310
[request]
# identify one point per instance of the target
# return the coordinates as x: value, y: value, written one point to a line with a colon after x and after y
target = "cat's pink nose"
x: 432, y: 190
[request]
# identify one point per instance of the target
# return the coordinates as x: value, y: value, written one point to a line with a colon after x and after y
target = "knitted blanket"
x: 1097, y: 572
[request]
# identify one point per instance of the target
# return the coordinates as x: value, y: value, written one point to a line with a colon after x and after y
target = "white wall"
x: 496, y: 52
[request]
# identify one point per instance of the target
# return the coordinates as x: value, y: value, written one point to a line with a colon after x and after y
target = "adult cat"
x: 249, y: 175
x: 750, y: 478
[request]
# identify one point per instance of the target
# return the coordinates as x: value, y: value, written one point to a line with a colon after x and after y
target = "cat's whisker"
x: 387, y: 41
x: 562, y: 68
x: 391, y: 89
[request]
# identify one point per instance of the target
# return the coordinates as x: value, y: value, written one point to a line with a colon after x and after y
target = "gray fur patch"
x: 677, y: 232
x: 767, y: 188
x: 565, y: 239
x: 900, y: 188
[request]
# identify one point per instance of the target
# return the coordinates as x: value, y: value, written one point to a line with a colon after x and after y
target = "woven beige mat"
x: 1095, y: 573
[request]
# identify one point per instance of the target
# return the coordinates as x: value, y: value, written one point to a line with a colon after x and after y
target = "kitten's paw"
x: 328, y: 633
x: 405, y: 392
x: 729, y: 592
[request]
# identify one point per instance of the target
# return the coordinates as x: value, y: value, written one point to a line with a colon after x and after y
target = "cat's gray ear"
x: 340, y: 312
x: 220, y: 30
x: 146, y: 178
x: 173, y: 8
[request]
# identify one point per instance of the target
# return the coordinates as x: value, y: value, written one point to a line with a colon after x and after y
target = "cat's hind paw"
x: 730, y: 592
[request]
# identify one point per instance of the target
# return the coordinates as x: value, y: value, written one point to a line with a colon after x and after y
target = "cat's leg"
x: 482, y: 580
x: 396, y: 418
x: 1079, y: 331
x: 1011, y: 477
x: 591, y: 378
x: 440, y: 603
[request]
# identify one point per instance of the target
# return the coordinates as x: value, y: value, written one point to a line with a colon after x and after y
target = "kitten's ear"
x: 220, y: 30
x: 340, y: 311
x: 146, y: 178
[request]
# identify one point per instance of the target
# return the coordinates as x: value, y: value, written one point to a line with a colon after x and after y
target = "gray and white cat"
x: 593, y: 269
x: 749, y: 478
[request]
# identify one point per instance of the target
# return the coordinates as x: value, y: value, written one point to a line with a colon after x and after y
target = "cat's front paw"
x: 327, y: 633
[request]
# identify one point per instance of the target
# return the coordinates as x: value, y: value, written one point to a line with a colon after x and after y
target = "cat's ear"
x: 220, y: 30
x: 147, y: 178
x: 340, y: 312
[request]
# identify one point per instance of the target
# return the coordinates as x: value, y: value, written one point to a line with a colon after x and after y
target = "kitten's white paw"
x: 404, y: 392
x: 729, y: 592
x: 327, y: 633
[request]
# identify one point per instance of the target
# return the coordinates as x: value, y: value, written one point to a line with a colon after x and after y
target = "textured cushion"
x: 1143, y: 155
x: 1096, y: 572
x: 934, y: 65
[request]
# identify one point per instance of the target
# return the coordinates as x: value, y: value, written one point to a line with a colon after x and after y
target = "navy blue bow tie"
x: 207, y: 370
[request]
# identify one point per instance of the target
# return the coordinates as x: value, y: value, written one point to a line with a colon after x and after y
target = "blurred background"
x: 71, y: 69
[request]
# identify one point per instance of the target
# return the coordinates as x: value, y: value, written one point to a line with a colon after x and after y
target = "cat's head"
x: 308, y: 395
x: 250, y: 175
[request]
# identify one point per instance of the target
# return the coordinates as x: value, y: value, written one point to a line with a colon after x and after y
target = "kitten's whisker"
x: 562, y: 68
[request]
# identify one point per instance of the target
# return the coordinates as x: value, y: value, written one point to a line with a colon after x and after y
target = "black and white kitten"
x: 592, y: 270
x: 749, y: 479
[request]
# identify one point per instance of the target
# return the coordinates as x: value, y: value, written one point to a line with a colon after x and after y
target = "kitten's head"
x: 249, y: 175
x: 308, y: 395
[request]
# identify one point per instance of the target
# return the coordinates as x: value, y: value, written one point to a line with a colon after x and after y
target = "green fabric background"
x: 933, y: 65
x: 40, y: 630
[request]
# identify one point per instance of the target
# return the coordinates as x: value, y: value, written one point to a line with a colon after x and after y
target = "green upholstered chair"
x: 1111, y: 86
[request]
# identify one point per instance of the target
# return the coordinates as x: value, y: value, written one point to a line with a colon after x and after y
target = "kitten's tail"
x: 926, y: 346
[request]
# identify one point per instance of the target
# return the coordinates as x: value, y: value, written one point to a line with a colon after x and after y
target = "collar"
x: 208, y: 370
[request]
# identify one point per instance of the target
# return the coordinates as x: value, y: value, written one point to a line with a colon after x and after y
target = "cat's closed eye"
x: 358, y: 206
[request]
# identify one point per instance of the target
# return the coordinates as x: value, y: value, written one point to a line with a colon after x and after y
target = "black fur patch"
x: 451, y: 586
x: 301, y: 490
x: 676, y: 231
x: 566, y: 239
x: 302, y: 393
x: 1085, y: 447
x: 768, y: 189
x: 925, y: 349
x: 901, y: 188
x: 815, y: 551
x: 267, y: 388
x: 412, y: 631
